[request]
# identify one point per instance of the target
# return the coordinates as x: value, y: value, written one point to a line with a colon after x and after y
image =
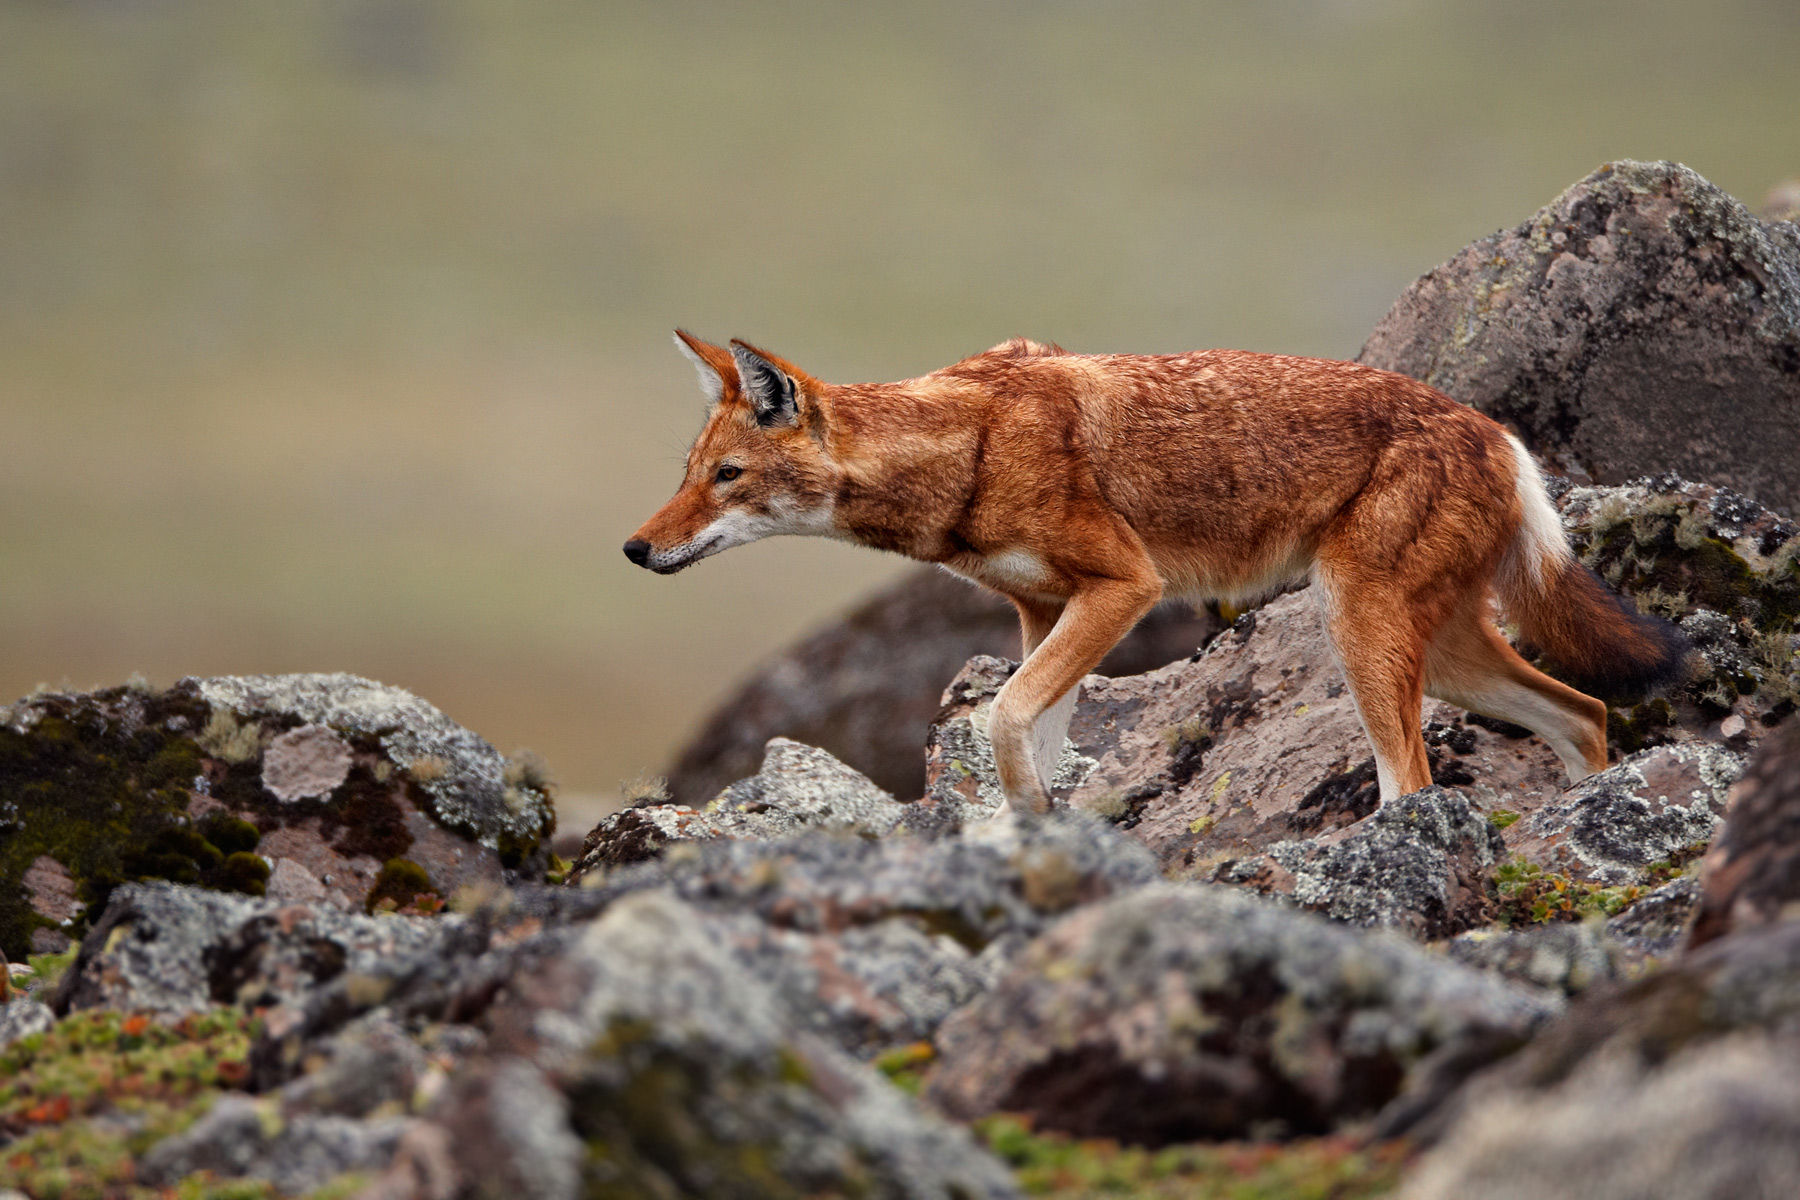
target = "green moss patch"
x: 403, y: 884
x: 1307, y: 1169
x: 80, y: 1104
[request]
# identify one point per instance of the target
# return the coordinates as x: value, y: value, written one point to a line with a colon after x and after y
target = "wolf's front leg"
x: 1031, y: 714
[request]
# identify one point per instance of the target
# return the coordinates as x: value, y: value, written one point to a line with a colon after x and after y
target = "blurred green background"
x: 335, y: 335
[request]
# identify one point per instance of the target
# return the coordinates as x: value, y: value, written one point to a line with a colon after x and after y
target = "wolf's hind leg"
x: 1469, y: 664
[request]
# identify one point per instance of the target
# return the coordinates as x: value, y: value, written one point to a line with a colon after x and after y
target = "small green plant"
x: 905, y: 1066
x: 1191, y: 732
x: 1503, y: 818
x: 1530, y: 895
x: 46, y: 969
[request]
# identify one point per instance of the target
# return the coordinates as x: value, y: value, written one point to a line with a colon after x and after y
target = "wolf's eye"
x: 727, y: 474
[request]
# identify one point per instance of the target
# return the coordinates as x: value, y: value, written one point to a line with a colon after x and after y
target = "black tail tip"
x: 1652, y: 653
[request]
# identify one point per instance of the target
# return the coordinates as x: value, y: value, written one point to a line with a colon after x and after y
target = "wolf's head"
x: 759, y: 467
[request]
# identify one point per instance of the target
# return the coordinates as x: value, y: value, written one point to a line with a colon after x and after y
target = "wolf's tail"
x: 1599, y: 642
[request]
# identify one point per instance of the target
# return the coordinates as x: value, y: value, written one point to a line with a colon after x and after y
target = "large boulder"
x: 1181, y: 1011
x: 303, y: 787
x: 1718, y: 1125
x: 1751, y: 875
x: 1678, y: 1084
x: 1644, y: 321
x: 865, y: 687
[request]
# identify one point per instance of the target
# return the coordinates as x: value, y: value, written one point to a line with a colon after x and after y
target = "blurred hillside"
x: 336, y: 333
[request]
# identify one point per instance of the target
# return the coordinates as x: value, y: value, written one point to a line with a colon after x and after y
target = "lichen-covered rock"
x: 1611, y: 827
x: 170, y: 950
x: 22, y: 1016
x: 1253, y: 742
x: 1728, y: 570
x: 469, y: 786
x: 297, y: 1153
x: 961, y: 782
x: 638, y: 834
x: 1747, y: 984
x: 1423, y: 863
x: 1655, y: 924
x: 865, y: 688
x: 1001, y: 879
x: 1723, y: 1124
x: 1642, y: 322
x: 1567, y: 958
x: 869, y: 988
x: 798, y: 788
x: 1182, y: 1011
x: 645, y: 1060
x: 1751, y: 875
x: 315, y: 781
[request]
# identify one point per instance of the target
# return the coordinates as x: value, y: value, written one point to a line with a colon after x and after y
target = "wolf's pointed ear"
x: 772, y: 390
x: 712, y: 363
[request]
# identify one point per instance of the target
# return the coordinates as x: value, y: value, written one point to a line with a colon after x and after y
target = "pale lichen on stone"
x: 469, y: 796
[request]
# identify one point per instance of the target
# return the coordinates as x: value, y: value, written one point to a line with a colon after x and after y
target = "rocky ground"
x: 303, y: 935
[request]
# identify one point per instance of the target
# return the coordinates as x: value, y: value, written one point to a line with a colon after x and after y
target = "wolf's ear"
x: 714, y: 365
x: 773, y: 392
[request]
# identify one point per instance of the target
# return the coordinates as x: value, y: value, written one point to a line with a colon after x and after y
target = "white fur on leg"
x: 1048, y: 735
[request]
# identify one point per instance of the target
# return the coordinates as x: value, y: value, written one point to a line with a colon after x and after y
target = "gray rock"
x: 240, y: 1137
x: 1423, y: 863
x: 1744, y: 985
x: 1642, y: 322
x: 172, y: 950
x: 1001, y: 879
x: 23, y: 1016
x: 865, y: 688
x: 1679, y: 1084
x: 639, y: 834
x: 215, y: 781
x: 1182, y: 1011
x: 1647, y: 808
x: 1656, y: 923
x: 798, y: 788
x: 1723, y: 1124
x: 1566, y: 958
x: 681, y: 1073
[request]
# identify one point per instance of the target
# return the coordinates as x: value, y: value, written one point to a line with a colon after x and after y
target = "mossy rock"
x: 127, y: 784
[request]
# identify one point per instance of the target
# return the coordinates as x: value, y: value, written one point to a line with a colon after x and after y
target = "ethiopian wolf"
x: 1085, y: 488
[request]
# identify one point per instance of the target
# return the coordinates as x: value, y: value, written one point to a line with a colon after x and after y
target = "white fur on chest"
x: 1016, y: 570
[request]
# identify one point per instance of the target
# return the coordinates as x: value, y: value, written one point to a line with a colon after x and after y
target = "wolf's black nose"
x: 638, y: 551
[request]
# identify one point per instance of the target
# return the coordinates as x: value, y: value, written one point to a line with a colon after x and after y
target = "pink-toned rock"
x: 307, y: 763
x: 51, y: 891
x: 291, y: 883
